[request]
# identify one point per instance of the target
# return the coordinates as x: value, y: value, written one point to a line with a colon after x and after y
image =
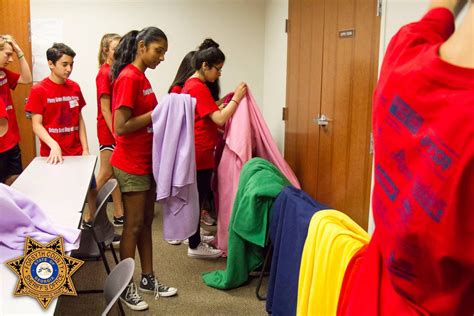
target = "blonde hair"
x: 5, y: 39
x: 104, y: 46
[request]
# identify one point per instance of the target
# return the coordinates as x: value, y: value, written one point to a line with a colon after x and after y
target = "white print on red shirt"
x: 61, y: 99
x: 4, y: 81
x: 62, y: 130
x: 147, y: 91
x: 73, y: 103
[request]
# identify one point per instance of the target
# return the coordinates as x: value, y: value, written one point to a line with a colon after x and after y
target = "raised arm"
x: 455, y: 6
x: 25, y: 72
x: 222, y: 115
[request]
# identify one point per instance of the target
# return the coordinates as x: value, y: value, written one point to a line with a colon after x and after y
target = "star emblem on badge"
x: 44, y: 272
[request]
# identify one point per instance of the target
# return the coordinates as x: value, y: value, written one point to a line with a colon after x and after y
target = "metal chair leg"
x: 262, y: 273
x: 122, y: 312
x: 114, y: 254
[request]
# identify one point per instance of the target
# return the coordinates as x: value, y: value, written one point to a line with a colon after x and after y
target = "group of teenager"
x: 420, y: 258
x: 125, y: 100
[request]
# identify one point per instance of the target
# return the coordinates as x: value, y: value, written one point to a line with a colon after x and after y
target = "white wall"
x: 237, y: 25
x: 274, y: 68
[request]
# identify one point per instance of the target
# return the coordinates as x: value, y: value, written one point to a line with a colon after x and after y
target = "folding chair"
x: 96, y: 239
x: 116, y: 283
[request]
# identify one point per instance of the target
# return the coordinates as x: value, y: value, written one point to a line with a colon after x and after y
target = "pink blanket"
x: 247, y: 136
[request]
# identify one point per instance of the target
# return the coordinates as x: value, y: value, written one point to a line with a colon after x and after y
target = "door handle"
x: 322, y: 120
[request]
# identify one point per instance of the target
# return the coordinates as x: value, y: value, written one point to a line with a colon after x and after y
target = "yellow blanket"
x: 333, y: 238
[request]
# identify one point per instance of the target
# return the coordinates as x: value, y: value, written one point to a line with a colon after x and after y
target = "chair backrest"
x: 103, y: 228
x: 117, y: 281
x: 104, y: 193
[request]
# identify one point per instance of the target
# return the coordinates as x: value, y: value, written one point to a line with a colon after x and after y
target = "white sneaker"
x: 205, y: 239
x: 174, y: 242
x: 202, y: 231
x: 203, y: 250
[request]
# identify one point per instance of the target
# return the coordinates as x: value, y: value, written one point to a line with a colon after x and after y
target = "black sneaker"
x: 132, y: 299
x: 87, y: 225
x: 151, y: 285
x: 118, y: 221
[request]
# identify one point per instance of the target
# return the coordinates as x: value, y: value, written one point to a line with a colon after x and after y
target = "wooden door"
x: 15, y: 20
x: 332, y: 70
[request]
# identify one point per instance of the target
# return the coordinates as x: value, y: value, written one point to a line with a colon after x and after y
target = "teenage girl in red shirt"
x: 207, y: 62
x: 10, y: 154
x: 133, y: 101
x: 103, y: 82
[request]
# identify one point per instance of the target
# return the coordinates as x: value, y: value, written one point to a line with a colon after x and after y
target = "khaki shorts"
x: 131, y: 182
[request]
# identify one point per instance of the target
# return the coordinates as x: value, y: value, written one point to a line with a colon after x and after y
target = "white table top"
x: 60, y: 191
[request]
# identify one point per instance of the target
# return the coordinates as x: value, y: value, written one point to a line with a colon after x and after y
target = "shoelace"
x: 157, y: 286
x: 208, y: 248
x: 132, y: 294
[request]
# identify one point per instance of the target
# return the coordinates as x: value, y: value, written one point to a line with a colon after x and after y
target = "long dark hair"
x: 126, y: 50
x: 185, y: 70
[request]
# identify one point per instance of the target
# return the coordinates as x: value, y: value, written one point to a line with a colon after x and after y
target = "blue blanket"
x: 291, y: 213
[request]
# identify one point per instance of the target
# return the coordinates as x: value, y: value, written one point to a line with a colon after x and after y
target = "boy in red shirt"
x: 10, y: 155
x: 55, y: 104
x: 420, y: 260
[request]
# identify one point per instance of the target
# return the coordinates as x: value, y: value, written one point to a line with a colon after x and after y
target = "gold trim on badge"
x: 44, y: 271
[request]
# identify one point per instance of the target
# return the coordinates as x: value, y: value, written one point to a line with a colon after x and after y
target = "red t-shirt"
x: 132, y: 152
x: 9, y: 80
x: 205, y: 130
x: 104, y: 87
x: 421, y: 257
x: 176, y: 89
x: 60, y: 105
x: 3, y: 109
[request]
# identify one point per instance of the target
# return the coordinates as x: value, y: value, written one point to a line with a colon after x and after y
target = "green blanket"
x: 259, y: 184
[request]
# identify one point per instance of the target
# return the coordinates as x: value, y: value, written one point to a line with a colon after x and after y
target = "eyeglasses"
x: 219, y: 70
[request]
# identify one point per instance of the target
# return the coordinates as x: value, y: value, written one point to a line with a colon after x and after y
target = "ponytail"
x: 105, y: 46
x: 124, y: 53
x: 185, y: 71
x: 208, y: 53
x: 126, y: 50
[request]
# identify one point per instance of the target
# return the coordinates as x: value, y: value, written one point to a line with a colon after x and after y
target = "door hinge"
x: 284, y: 113
x: 286, y: 25
x: 379, y: 7
x: 29, y: 32
x: 371, y: 147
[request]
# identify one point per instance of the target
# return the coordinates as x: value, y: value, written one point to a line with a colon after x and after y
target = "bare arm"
x: 124, y: 123
x: 455, y: 6
x: 83, y: 136
x: 3, y: 126
x: 105, y: 108
x: 25, y: 72
x: 223, y: 114
x: 55, y: 156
